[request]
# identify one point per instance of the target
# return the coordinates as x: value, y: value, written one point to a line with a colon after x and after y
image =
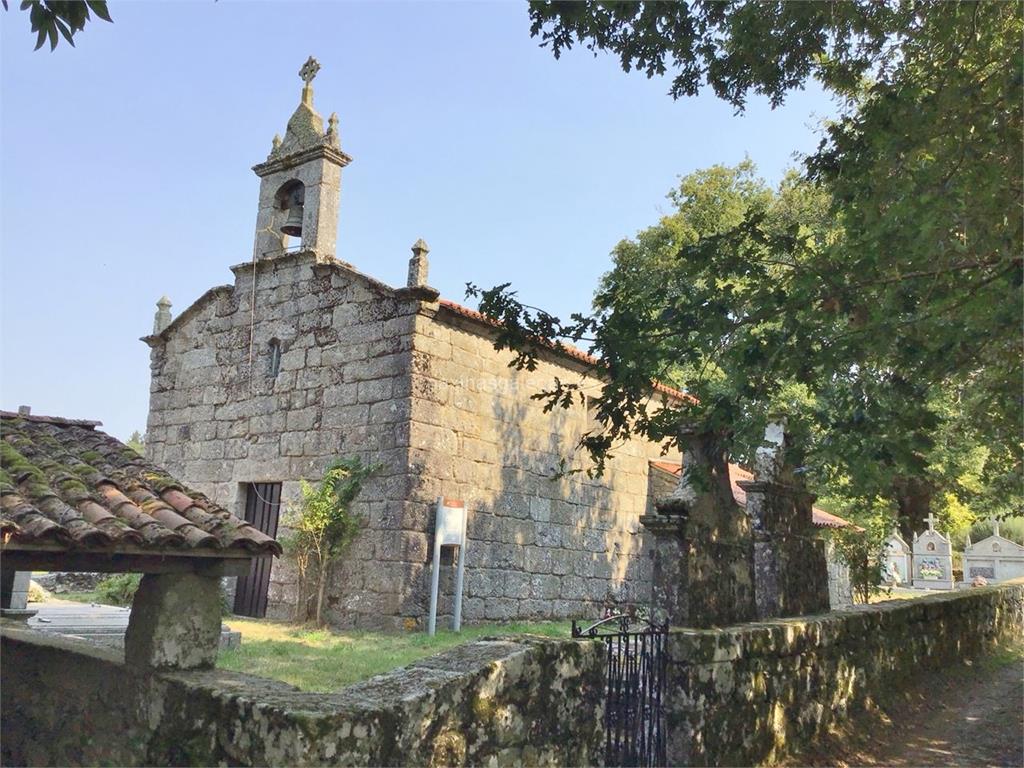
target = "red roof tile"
x: 566, y: 349
x: 64, y: 482
x: 820, y: 517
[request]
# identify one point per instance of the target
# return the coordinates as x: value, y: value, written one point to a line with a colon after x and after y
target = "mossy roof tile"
x: 64, y: 482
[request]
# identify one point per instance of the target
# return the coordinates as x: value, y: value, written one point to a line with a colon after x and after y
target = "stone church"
x: 303, y: 359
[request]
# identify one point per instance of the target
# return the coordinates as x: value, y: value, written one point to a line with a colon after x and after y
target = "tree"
x: 875, y: 293
x: 66, y: 17
x: 137, y: 442
x: 322, y: 526
x: 862, y: 547
x: 722, y: 299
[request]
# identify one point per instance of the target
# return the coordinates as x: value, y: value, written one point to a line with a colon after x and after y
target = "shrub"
x: 322, y: 526
x: 118, y: 589
x: 36, y: 594
x: 862, y: 547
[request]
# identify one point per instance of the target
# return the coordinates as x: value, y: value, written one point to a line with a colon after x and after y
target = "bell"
x: 293, y: 225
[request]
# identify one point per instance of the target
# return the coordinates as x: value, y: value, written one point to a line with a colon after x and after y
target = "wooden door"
x: 262, y: 508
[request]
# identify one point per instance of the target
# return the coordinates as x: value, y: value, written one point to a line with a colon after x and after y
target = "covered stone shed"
x: 73, y: 498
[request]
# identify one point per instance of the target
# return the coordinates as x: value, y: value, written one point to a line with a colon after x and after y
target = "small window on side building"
x: 275, y: 358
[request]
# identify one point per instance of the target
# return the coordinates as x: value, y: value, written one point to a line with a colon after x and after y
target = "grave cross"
x: 995, y: 526
x: 309, y: 70
x: 931, y: 521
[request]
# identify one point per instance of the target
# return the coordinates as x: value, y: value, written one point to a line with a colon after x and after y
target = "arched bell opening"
x: 290, y: 199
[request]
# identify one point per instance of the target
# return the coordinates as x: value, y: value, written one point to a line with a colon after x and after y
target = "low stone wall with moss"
x: 749, y: 694
x: 522, y: 701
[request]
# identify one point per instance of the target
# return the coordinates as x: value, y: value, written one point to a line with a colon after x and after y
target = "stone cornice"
x: 323, y: 152
x: 281, y: 257
x: 419, y: 292
x: 664, y: 525
x: 769, y: 486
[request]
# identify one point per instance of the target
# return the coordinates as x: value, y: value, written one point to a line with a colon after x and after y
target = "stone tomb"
x: 995, y: 558
x: 896, y: 560
x: 933, y: 559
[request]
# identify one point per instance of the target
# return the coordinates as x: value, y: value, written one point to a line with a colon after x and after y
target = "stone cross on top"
x: 931, y: 521
x: 307, y: 73
x: 309, y: 70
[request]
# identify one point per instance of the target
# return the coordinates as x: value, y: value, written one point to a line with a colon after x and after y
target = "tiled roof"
x: 566, y: 349
x: 820, y: 517
x: 65, y: 483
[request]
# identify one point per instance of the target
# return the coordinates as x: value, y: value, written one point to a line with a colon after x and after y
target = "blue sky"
x: 125, y: 166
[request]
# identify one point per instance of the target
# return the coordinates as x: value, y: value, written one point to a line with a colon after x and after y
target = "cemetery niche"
x: 933, y: 559
x: 897, y: 560
x: 994, y: 559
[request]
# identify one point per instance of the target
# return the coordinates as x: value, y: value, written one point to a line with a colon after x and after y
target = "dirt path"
x: 969, y: 715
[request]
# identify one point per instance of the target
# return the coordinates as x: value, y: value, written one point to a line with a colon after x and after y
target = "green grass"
x: 1002, y: 655
x: 321, y: 660
x: 899, y: 593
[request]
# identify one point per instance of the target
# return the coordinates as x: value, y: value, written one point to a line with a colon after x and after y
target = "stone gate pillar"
x: 790, y: 567
x: 703, y: 563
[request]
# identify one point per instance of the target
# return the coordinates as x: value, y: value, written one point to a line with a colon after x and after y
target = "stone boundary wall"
x: 498, y: 702
x: 750, y: 694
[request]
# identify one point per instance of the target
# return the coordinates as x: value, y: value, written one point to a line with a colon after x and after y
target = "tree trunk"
x: 321, y: 589
x: 301, y: 602
x: 913, y: 496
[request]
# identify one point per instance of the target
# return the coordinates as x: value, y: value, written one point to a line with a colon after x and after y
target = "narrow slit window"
x: 275, y: 358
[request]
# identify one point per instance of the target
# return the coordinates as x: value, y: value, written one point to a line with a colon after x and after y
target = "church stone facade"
x: 303, y: 359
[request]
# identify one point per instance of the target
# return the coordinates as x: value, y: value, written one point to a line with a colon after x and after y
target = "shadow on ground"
x: 971, y: 714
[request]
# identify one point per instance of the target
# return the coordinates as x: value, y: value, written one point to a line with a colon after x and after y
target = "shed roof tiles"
x: 65, y: 483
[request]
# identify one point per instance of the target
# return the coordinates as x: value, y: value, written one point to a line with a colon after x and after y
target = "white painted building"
x: 995, y: 558
x: 897, y: 559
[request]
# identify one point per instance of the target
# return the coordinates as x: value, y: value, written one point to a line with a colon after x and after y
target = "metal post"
x: 457, y: 617
x: 434, y: 574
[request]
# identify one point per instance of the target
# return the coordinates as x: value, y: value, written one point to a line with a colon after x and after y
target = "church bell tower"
x: 300, y: 182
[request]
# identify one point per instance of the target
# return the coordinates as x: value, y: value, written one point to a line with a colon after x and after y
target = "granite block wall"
x: 750, y: 694
x: 500, y: 702
x: 395, y: 378
x: 340, y: 389
x: 539, y: 547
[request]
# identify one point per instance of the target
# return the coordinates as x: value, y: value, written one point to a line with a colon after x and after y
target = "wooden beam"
x: 115, y: 562
x: 121, y: 549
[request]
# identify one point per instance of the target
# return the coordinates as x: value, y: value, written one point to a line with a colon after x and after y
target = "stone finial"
x: 276, y: 143
x: 305, y: 128
x: 771, y: 455
x: 701, y: 457
x: 163, y: 315
x: 418, y: 265
x: 332, y: 136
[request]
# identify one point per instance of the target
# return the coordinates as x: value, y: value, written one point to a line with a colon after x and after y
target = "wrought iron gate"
x: 634, y: 713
